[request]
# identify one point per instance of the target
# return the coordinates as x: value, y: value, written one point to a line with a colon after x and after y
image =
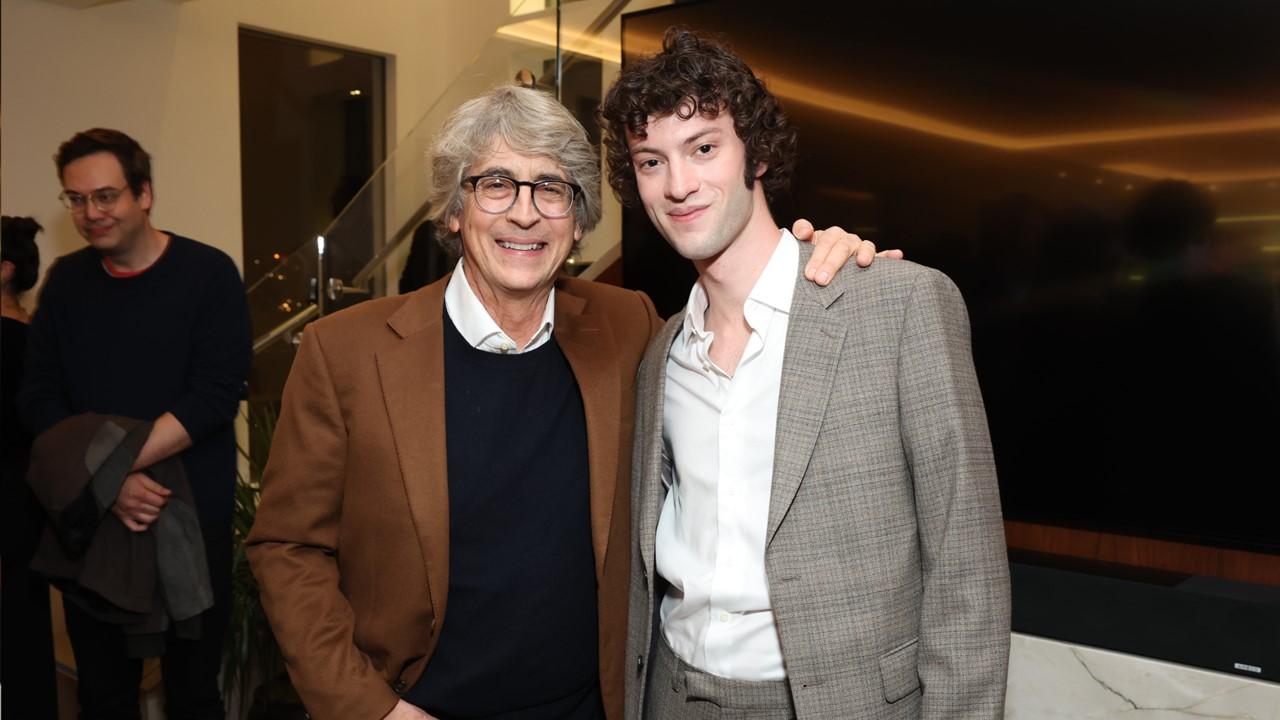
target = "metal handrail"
x: 405, y: 231
x: 302, y: 317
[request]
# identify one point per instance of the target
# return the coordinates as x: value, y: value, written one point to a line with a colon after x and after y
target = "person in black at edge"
x: 428, y: 261
x: 26, y: 661
x: 146, y: 324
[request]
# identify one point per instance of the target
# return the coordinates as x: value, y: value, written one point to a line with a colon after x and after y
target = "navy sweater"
x: 173, y: 339
x: 519, y: 638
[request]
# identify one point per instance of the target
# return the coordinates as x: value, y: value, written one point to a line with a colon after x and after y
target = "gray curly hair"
x: 530, y: 122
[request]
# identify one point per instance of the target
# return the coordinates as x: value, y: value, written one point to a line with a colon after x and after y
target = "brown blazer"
x: 350, y: 546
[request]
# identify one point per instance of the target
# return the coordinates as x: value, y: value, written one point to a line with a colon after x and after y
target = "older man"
x: 374, y: 518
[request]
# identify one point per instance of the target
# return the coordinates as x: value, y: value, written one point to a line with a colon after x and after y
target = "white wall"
x: 166, y: 72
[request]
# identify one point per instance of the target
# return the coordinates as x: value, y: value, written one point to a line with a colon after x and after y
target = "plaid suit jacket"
x: 885, y: 549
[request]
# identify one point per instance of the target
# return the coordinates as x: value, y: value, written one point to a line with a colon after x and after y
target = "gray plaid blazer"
x: 885, y: 549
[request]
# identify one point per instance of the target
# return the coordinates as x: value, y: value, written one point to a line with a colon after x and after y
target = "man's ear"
x: 455, y: 225
x: 7, y: 270
x: 761, y: 169
x: 145, y: 198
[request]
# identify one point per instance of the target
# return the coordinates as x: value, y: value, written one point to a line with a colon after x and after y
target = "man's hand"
x: 405, y: 711
x: 832, y: 249
x: 139, y: 502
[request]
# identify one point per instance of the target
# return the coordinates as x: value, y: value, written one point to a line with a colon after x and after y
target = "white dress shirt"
x: 718, y: 433
x: 478, y: 327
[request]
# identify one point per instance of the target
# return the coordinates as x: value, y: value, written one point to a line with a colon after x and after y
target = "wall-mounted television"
x: 1102, y: 181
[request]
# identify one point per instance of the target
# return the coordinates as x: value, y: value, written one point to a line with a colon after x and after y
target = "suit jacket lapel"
x: 808, y: 369
x: 412, y: 378
x: 588, y: 345
x: 649, y: 493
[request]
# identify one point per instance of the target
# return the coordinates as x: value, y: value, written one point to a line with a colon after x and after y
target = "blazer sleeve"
x: 964, y: 638
x: 293, y: 549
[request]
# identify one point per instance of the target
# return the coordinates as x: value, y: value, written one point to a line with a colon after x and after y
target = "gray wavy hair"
x: 530, y: 122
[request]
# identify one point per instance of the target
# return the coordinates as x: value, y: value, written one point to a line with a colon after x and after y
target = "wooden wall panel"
x: 1145, y: 552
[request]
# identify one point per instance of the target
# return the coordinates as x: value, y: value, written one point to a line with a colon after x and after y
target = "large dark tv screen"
x: 1102, y: 182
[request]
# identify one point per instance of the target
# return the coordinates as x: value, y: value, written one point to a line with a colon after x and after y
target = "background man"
x: 151, y: 325
x: 811, y: 546
x: 466, y: 447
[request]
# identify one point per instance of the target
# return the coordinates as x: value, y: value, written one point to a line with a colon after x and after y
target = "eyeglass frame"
x: 533, y: 193
x: 66, y: 195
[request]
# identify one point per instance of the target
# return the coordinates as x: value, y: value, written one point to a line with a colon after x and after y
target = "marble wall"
x: 1051, y: 680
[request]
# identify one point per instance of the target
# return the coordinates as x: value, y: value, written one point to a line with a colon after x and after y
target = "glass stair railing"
x: 569, y: 48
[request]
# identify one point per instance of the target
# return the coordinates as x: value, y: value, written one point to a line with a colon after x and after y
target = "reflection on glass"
x: 1108, y: 203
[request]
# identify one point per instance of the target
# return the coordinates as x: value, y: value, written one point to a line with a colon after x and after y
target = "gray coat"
x: 885, y: 551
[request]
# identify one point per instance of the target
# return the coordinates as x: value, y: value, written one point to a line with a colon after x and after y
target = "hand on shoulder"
x: 832, y: 249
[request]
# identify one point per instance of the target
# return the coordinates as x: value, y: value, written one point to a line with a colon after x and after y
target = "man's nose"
x: 91, y: 211
x: 681, y: 181
x: 522, y: 212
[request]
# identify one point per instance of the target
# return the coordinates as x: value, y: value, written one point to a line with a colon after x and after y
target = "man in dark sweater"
x: 150, y: 325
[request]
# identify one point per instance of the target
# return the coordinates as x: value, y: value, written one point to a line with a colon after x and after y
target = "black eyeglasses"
x: 496, y: 194
x: 103, y: 199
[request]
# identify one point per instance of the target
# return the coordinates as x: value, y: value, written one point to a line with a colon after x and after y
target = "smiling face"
x: 123, y: 227
x: 513, y: 255
x: 690, y: 175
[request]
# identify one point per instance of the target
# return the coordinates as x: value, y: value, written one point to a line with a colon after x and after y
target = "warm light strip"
x: 868, y: 110
x: 1157, y: 172
x: 1249, y: 219
x: 847, y: 105
x: 542, y: 31
x: 1157, y: 132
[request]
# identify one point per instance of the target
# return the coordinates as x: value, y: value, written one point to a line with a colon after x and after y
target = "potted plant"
x: 252, y: 665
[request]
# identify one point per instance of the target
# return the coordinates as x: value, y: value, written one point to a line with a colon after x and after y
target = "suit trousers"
x: 678, y: 691
x: 108, y: 679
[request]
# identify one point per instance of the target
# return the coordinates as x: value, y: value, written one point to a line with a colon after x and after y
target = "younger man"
x: 805, y: 544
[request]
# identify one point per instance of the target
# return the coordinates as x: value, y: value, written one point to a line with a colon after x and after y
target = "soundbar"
x: 1206, y: 622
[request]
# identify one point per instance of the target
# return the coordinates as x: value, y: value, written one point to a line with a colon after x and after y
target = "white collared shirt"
x: 479, y: 328
x: 719, y: 433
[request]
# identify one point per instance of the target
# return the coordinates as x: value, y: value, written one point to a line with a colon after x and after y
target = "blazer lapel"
x: 588, y: 345
x: 649, y: 495
x: 808, y: 369
x: 412, y: 379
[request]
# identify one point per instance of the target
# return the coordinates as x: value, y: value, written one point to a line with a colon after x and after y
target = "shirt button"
x: 724, y: 616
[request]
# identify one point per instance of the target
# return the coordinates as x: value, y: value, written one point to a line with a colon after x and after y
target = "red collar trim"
x: 116, y: 272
